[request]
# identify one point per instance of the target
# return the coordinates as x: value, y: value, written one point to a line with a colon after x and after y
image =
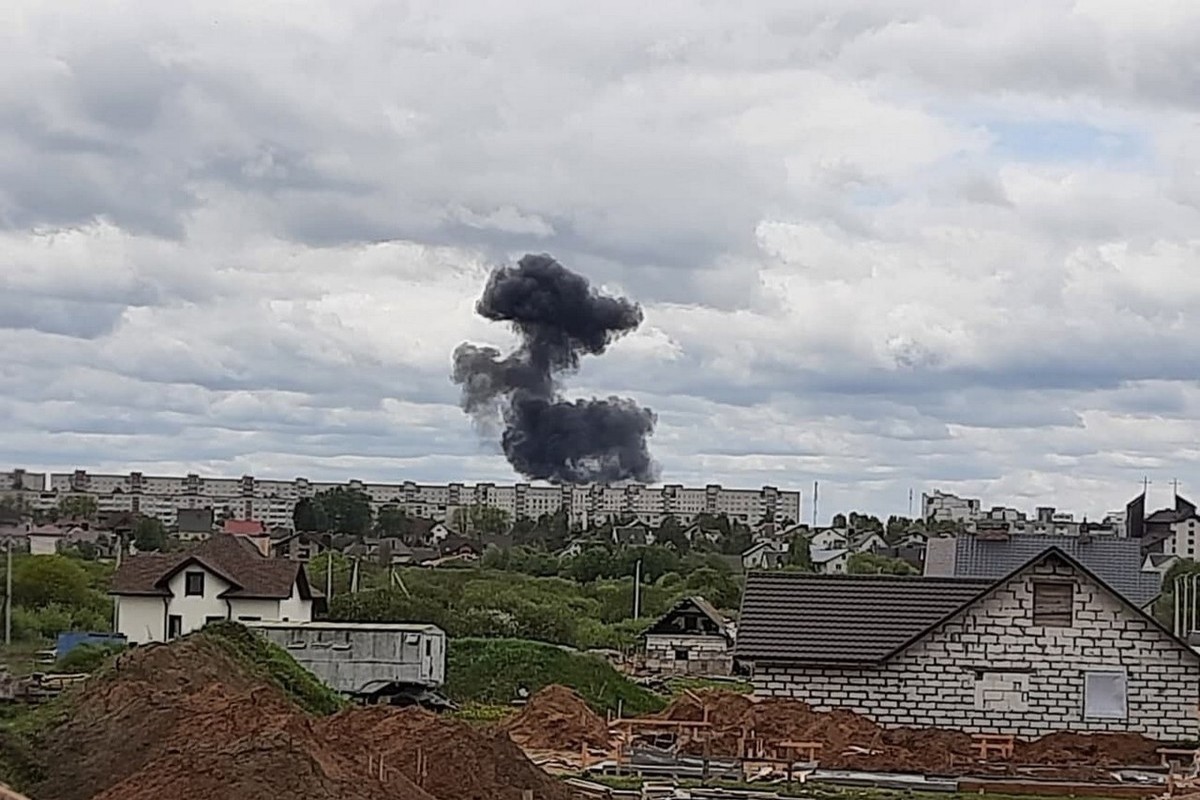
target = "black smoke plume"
x: 559, y: 318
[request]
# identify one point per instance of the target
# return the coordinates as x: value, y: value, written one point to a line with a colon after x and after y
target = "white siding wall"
x: 195, y: 610
x: 141, y: 619
x: 295, y: 609
x: 944, y: 679
x: 265, y: 610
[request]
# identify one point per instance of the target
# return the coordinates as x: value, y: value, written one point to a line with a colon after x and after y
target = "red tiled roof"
x: 243, y: 526
x: 233, y: 558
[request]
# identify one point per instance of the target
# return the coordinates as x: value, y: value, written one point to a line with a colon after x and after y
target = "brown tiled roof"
x: 234, y: 558
x: 243, y: 526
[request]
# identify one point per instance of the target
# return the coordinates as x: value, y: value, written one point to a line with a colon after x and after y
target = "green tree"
x: 480, y: 520
x: 149, y: 534
x: 309, y: 516
x: 840, y: 521
x: 865, y: 523
x: 800, y: 554
x: 80, y: 506
x: 40, y: 581
x: 871, y: 564
x: 670, y: 534
x: 590, y: 565
x: 1164, y: 606
x: 392, y: 522
x: 346, y: 510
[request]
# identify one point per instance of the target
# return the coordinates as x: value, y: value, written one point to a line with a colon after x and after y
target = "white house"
x: 44, y: 540
x: 764, y: 555
x: 828, y: 538
x: 161, y: 596
x: 830, y: 562
x: 866, y: 542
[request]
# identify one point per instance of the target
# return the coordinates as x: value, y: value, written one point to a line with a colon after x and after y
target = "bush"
x: 86, y: 658
x: 490, y: 671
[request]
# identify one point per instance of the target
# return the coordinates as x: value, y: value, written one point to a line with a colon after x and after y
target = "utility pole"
x: 910, y: 501
x: 116, y: 599
x: 816, y: 487
x: 8, y: 594
x: 328, y: 576
x: 637, y: 589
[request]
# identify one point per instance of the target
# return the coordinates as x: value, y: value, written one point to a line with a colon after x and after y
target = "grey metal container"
x: 360, y: 659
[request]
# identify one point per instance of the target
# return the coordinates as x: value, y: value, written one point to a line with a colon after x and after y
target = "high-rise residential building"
x: 272, y: 501
x: 938, y: 506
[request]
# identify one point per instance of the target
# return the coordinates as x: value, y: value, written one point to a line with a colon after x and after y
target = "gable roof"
x: 700, y: 604
x: 789, y: 616
x: 233, y: 558
x: 867, y: 619
x: 1118, y: 561
x: 821, y: 556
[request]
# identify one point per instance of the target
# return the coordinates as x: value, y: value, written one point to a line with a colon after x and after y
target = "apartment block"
x: 272, y: 501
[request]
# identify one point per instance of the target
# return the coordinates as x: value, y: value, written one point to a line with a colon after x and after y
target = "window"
x: 174, y: 626
x: 681, y: 655
x: 1053, y: 603
x: 1104, y: 695
x: 193, y: 584
x: 210, y: 620
x: 429, y: 648
x: 249, y: 619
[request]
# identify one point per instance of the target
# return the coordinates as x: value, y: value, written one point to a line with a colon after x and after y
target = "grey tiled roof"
x: 848, y: 619
x: 1116, y: 561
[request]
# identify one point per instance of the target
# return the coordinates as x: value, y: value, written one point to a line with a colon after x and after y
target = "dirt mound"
x: 853, y: 741
x: 461, y: 762
x: 189, y: 719
x: 557, y: 718
x: 1094, y: 749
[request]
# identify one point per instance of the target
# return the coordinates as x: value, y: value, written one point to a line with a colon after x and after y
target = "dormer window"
x: 193, y: 584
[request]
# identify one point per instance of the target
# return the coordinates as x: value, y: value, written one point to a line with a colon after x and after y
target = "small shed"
x: 690, y: 639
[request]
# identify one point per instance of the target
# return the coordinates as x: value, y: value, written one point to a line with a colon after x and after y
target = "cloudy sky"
x: 882, y: 245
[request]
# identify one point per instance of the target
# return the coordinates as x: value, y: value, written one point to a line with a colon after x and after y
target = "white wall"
x: 295, y: 609
x: 43, y: 545
x: 265, y: 610
x: 141, y: 619
x: 195, y: 610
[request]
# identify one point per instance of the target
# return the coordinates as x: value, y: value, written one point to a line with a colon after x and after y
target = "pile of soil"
x: 557, y: 718
x: 853, y: 741
x: 1094, y: 749
x: 184, y: 720
x: 460, y: 762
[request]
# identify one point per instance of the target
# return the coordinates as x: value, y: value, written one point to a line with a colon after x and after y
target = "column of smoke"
x: 559, y: 318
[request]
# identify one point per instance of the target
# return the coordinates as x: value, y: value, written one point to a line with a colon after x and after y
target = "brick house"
x: 690, y: 639
x: 1049, y: 646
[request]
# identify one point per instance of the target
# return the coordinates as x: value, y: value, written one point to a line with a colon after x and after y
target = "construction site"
x: 197, y: 717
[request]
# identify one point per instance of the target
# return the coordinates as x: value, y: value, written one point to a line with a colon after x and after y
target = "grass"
x: 21, y: 657
x: 273, y: 664
x: 490, y: 671
x: 680, y: 685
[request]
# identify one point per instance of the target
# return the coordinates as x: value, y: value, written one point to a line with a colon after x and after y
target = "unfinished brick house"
x: 1048, y: 647
x: 690, y: 639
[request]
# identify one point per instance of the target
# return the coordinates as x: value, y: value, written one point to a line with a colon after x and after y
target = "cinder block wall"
x: 707, y: 655
x: 938, y: 681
